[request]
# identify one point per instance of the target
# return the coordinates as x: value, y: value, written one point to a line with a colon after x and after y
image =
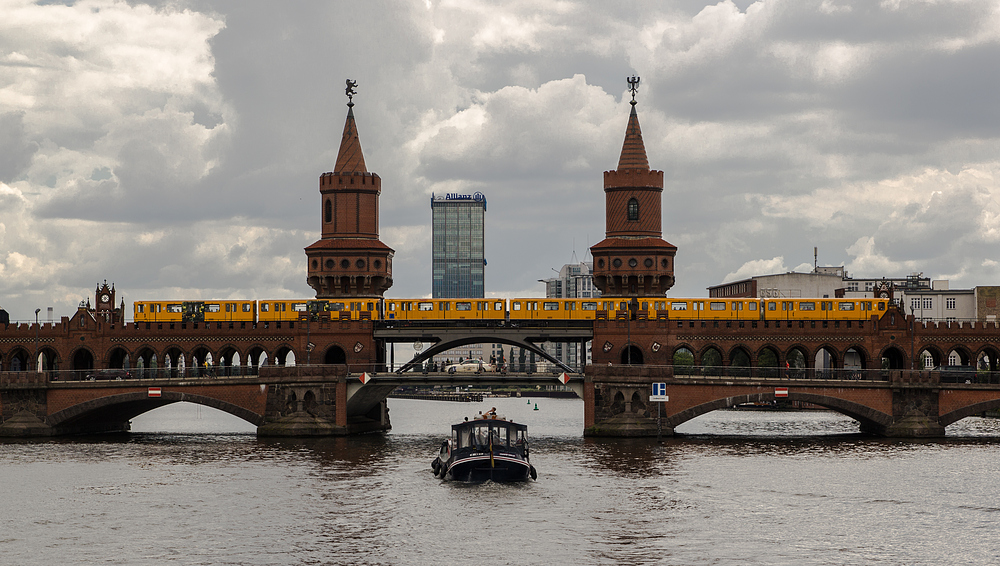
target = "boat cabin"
x: 477, y: 434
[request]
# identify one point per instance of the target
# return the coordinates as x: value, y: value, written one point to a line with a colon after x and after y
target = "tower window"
x: 633, y: 210
x: 328, y: 211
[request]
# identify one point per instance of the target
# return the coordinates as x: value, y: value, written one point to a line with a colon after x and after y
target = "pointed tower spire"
x: 350, y: 159
x: 633, y: 151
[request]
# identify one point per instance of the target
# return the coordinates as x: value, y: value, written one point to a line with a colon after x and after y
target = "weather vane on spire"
x: 350, y: 92
x: 633, y: 85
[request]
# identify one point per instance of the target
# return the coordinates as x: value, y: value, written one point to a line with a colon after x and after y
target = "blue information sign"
x: 659, y: 392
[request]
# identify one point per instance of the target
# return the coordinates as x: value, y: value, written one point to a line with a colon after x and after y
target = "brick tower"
x: 633, y: 260
x: 349, y: 260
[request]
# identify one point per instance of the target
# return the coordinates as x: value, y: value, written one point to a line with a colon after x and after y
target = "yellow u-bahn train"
x: 524, y: 309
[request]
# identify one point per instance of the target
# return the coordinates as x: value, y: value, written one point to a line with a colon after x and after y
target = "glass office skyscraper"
x: 458, y: 260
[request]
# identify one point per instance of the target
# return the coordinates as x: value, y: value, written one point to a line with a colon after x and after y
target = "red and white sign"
x: 781, y: 392
x: 153, y: 391
x: 564, y: 378
x: 364, y: 377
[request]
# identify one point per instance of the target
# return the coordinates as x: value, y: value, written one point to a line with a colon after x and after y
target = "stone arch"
x: 173, y: 361
x: 683, y: 360
x: 711, y: 360
x: 797, y: 358
x: 893, y: 358
x: 988, y: 359
x: 281, y: 356
x: 129, y: 405
x: 202, y: 361
x: 256, y: 357
x: 929, y: 357
x: 334, y: 355
x: 145, y: 362
x: 48, y: 359
x: 118, y: 358
x: 637, y: 403
x: 291, y: 403
x: 229, y: 361
x: 959, y: 353
x: 632, y: 355
x: 869, y: 418
x: 825, y: 361
x: 973, y: 410
x: 739, y: 362
x: 83, y: 359
x: 18, y: 360
x: 856, y: 358
x: 309, y: 402
x: 769, y: 362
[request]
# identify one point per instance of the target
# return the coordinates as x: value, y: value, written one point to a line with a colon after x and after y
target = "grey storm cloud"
x: 184, y: 163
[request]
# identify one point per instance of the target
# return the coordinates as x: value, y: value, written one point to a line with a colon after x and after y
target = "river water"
x: 194, y: 486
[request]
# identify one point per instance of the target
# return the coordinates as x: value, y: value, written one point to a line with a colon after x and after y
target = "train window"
x: 738, y: 306
x: 392, y: 307
x: 645, y: 306
x: 550, y: 305
x: 866, y: 306
x: 787, y: 306
x: 498, y: 306
x: 570, y: 306
x: 175, y: 308
x: 717, y: 306
x: 698, y: 305
x: 807, y: 306
x: 589, y: 306
x: 771, y: 305
x: 679, y: 306
x: 752, y: 306
x: 159, y: 307
x: 463, y: 306
x: 140, y: 308
x: 845, y: 306
x: 247, y: 307
x: 213, y: 307
x: 299, y: 307
x: 444, y: 306
x: 881, y: 306
x: 425, y: 306
x: 371, y: 307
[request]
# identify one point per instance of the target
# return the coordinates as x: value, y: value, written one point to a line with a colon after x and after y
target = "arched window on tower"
x: 633, y: 210
x: 328, y: 211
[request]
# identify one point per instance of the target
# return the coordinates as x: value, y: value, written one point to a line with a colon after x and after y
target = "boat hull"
x: 479, y: 468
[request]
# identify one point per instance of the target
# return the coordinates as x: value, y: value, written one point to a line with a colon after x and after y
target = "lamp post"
x: 36, y: 339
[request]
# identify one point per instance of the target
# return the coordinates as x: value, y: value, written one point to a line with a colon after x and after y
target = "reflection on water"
x: 194, y: 486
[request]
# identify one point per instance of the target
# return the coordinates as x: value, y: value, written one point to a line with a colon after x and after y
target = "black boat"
x: 486, y: 448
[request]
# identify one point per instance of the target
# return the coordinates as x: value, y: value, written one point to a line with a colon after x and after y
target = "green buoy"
x: 536, y: 406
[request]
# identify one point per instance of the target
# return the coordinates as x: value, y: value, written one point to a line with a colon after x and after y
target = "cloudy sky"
x: 174, y: 148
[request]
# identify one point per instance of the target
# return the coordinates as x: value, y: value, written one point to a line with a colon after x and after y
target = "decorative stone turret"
x: 349, y: 260
x: 633, y: 259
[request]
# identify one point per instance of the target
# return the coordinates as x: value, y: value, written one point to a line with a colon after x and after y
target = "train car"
x: 157, y: 311
x: 272, y: 310
x: 444, y: 309
x: 194, y: 311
